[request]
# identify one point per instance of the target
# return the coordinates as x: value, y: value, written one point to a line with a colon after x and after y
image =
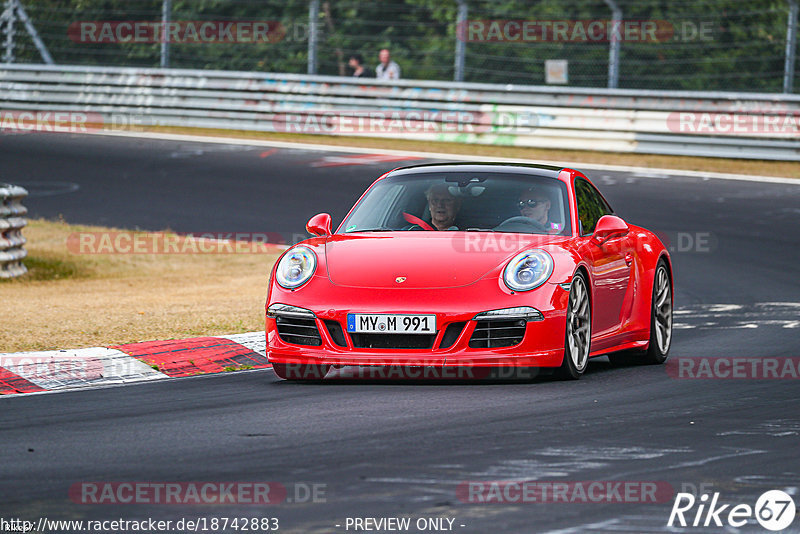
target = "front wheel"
x: 579, y: 330
x: 296, y: 371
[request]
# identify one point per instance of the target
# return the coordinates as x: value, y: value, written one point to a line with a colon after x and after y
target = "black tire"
x: 660, y: 317
x: 299, y: 372
x: 660, y: 324
x: 578, y: 333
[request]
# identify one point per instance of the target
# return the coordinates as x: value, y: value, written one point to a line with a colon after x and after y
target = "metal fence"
x: 698, y: 45
x: 111, y: 99
x: 11, y: 225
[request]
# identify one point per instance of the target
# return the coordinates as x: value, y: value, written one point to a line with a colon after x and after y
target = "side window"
x: 591, y: 206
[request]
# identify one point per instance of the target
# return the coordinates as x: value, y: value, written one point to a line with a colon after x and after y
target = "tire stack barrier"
x: 11, y: 224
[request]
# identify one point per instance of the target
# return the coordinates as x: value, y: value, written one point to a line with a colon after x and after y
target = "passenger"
x: 443, y: 206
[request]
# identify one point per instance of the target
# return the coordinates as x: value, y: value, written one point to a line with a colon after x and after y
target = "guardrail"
x: 11, y: 225
x: 733, y: 125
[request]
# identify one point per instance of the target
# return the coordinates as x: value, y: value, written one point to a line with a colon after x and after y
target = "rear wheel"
x: 660, y: 324
x: 579, y: 330
x: 296, y: 371
x: 660, y: 317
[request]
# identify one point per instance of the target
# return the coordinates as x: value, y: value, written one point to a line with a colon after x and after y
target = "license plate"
x: 374, y: 323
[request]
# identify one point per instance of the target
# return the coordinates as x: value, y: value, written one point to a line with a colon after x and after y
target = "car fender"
x: 648, y: 250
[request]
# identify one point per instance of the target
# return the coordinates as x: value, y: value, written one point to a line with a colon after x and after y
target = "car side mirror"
x: 319, y: 225
x: 607, y: 227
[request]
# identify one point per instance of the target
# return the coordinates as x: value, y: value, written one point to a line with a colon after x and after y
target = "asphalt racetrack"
x: 397, y: 449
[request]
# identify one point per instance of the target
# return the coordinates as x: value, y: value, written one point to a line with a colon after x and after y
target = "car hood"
x: 423, y: 259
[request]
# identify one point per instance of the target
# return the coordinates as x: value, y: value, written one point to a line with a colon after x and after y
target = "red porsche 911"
x: 471, y: 266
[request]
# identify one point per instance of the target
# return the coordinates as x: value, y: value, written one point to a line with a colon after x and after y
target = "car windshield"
x: 470, y: 201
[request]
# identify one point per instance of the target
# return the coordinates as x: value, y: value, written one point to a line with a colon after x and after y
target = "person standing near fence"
x: 387, y: 69
x: 356, y: 62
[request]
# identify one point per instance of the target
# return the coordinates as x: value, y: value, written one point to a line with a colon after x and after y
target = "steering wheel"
x: 413, y: 219
x: 521, y: 224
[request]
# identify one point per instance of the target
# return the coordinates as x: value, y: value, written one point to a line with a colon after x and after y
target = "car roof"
x: 531, y: 169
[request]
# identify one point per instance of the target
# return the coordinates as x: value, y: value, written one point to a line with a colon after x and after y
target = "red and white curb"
x: 30, y: 372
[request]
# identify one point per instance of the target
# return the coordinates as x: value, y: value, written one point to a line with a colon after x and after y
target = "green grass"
x: 43, y: 268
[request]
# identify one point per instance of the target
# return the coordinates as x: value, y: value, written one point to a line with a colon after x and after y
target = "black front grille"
x: 298, y: 331
x: 451, y: 334
x: 493, y: 334
x: 392, y: 341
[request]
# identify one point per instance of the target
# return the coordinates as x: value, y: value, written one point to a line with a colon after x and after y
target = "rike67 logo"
x: 774, y: 510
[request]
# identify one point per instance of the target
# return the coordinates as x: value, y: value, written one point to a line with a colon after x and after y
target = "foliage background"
x: 745, y: 51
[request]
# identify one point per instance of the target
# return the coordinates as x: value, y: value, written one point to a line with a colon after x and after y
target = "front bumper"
x: 541, y: 346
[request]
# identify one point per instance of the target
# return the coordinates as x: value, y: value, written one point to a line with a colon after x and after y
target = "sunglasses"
x: 529, y: 203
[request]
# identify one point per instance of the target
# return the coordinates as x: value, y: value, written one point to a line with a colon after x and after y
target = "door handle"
x: 628, y: 259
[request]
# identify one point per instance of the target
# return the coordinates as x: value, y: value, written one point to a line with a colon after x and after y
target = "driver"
x: 535, y: 205
x: 443, y: 207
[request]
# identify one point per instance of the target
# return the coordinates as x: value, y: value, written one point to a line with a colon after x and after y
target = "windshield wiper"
x: 378, y: 229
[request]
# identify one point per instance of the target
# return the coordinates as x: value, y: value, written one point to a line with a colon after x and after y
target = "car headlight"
x: 296, y: 267
x: 528, y: 270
